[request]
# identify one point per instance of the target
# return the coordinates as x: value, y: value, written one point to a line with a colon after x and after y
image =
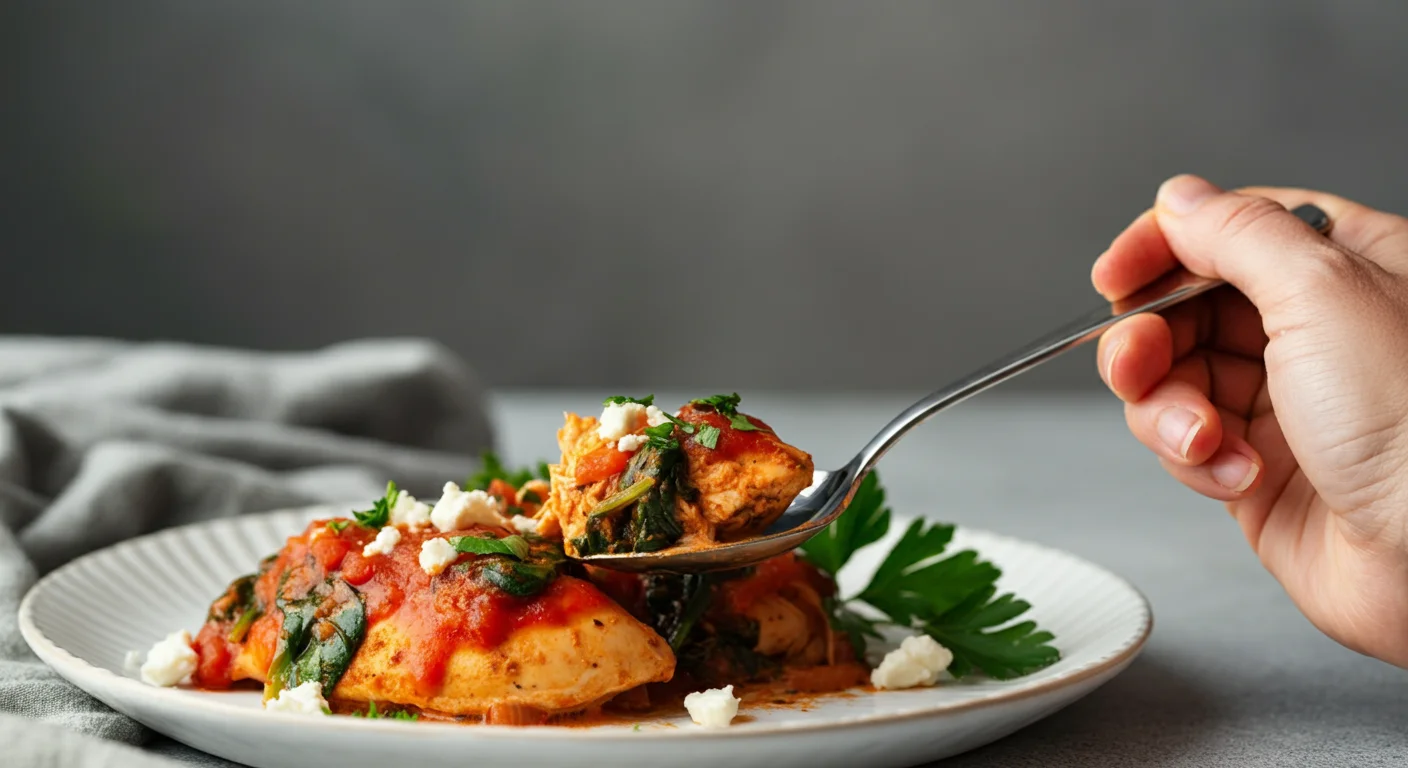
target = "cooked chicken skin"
x: 556, y: 669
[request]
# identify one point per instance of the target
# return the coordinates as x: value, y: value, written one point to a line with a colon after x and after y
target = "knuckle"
x: 1247, y: 215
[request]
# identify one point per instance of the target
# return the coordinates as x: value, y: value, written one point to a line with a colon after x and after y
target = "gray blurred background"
x: 790, y: 195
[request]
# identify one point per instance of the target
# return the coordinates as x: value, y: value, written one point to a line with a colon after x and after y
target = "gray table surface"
x: 1232, y: 676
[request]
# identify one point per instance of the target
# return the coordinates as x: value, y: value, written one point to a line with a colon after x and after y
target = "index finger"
x: 1138, y: 256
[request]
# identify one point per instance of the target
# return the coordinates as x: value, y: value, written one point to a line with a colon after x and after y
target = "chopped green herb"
x: 636, y: 728
x: 662, y: 437
x: 336, y: 526
x: 515, y: 546
x: 530, y: 497
x: 727, y: 406
x: 373, y: 714
x: 708, y: 436
x: 951, y: 597
x: 491, y: 469
x: 380, y: 513
x: 648, y: 400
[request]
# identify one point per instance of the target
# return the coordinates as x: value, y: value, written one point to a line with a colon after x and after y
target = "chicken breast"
x: 454, y: 643
x: 748, y: 479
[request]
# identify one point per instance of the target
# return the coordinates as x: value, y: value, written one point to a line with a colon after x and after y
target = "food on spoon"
x: 640, y: 480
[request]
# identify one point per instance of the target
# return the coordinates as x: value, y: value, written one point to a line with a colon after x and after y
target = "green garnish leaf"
x: 684, y: 426
x: 708, y: 436
x: 864, y: 522
x: 973, y: 630
x: 648, y: 400
x: 724, y: 404
x: 662, y: 437
x: 336, y: 526
x: 373, y: 714
x: 951, y: 597
x: 514, y: 546
x: 380, y: 513
x: 530, y: 497
x: 491, y: 469
x: 727, y: 406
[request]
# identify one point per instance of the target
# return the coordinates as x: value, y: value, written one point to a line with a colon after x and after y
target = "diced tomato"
x: 356, y: 569
x: 504, y: 491
x: 601, y: 464
x: 329, y: 551
x: 213, y: 651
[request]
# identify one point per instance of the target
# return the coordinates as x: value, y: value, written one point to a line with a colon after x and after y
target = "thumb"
x: 1254, y: 243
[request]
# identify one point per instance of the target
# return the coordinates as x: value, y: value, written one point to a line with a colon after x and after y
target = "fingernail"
x: 1183, y: 194
x: 1177, y: 427
x: 1110, y: 364
x: 1235, y: 472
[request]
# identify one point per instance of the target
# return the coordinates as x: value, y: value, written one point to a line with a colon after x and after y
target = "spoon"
x: 830, y: 492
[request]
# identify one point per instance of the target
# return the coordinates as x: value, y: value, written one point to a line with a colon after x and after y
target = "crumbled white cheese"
x: 132, y: 664
x: 654, y: 417
x: 409, y: 512
x: 436, y: 554
x: 631, y: 443
x: 170, y: 661
x: 305, y: 699
x: 620, y: 419
x: 386, y: 540
x: 918, y: 661
x: 459, y: 509
x: 524, y: 524
x: 714, y: 708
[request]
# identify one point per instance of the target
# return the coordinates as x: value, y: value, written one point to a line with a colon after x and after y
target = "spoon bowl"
x: 830, y: 492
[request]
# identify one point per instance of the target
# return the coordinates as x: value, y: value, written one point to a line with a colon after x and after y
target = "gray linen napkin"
x: 101, y: 441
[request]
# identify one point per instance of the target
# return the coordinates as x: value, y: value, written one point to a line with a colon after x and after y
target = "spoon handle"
x: 1175, y: 287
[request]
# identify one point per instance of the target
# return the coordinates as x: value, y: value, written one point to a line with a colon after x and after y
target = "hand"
x: 1287, y: 398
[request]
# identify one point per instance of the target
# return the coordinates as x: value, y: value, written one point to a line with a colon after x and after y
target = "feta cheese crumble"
x: 436, y: 555
x: 524, y: 524
x: 409, y: 512
x: 459, y: 509
x: 170, y: 661
x: 714, y: 708
x: 305, y: 699
x: 631, y: 443
x: 654, y: 417
x: 918, y: 661
x: 386, y: 540
x: 620, y: 419
x: 132, y: 664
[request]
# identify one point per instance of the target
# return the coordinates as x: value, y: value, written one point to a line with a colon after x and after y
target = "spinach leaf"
x: 653, y: 525
x: 323, y: 628
x: 518, y: 578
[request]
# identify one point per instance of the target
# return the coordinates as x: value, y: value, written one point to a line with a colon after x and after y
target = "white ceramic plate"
x: 84, y: 617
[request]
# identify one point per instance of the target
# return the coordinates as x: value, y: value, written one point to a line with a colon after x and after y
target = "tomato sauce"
x: 732, y: 442
x: 441, y: 614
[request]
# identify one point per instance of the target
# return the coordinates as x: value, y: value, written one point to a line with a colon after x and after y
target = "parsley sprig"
x: 951, y: 597
x: 491, y: 469
x: 727, y: 406
x: 380, y: 512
